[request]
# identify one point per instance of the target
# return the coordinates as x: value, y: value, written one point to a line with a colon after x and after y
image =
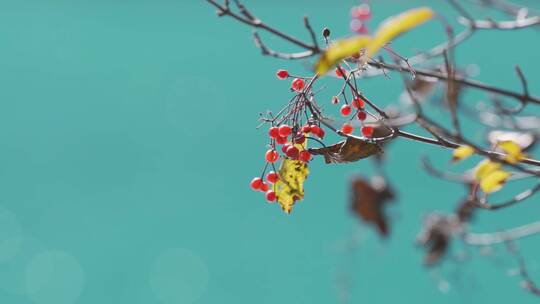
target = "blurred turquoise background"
x: 128, y: 140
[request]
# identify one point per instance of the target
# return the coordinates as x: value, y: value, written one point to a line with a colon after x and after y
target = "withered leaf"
x: 435, y: 237
x: 437, y: 244
x: 368, y: 200
x: 349, y: 150
x: 465, y: 209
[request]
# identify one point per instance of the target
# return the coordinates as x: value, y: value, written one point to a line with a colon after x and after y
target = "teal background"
x: 128, y: 140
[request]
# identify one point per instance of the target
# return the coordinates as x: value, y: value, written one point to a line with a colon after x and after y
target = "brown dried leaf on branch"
x: 368, y: 200
x: 349, y: 150
x: 435, y: 237
x: 440, y: 229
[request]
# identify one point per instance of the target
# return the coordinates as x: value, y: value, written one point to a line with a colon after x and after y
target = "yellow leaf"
x: 390, y: 29
x: 397, y: 25
x: 484, y: 168
x: 513, y: 151
x: 462, y: 152
x: 339, y: 50
x: 290, y: 186
x: 494, y: 181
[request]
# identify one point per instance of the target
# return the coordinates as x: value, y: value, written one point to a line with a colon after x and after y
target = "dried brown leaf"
x: 368, y: 200
x: 349, y: 150
x: 435, y: 238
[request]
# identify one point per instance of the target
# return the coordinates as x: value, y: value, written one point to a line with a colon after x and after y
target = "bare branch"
x: 463, y: 81
x: 501, y: 25
x: 251, y: 20
x: 486, y: 239
x: 517, y: 199
x: 268, y: 52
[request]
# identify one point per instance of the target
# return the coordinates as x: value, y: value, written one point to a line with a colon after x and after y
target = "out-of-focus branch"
x: 460, y: 80
x: 516, y: 199
x: 501, y: 25
x: 486, y: 239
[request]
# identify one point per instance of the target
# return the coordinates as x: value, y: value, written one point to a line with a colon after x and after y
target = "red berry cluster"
x: 360, y: 15
x: 290, y: 148
x: 286, y: 140
x: 258, y: 184
x: 360, y: 113
x: 298, y: 84
x: 293, y: 125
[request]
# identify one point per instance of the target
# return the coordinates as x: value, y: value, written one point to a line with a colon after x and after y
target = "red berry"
x: 271, y: 156
x: 256, y: 183
x: 361, y: 12
x: 367, y: 131
x: 272, y: 177
x: 315, y: 130
x: 345, y: 110
x: 273, y: 132
x: 321, y: 133
x: 292, y: 152
x: 264, y: 187
x: 299, y: 138
x: 340, y: 72
x: 282, y: 74
x: 335, y: 100
x: 306, y: 129
x: 270, y: 196
x: 359, y: 27
x: 285, y: 147
x: 284, y: 131
x: 346, y: 128
x: 298, y: 84
x: 281, y: 140
x: 304, y: 156
x: 362, y: 115
x: 358, y: 103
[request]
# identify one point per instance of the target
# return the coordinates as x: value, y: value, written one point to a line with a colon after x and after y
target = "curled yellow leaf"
x: 290, y: 186
x: 462, y: 152
x: 340, y: 50
x: 485, y: 167
x: 389, y: 29
x: 512, y: 150
x: 397, y: 25
x: 494, y: 181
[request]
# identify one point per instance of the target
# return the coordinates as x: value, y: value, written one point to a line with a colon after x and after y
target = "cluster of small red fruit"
x: 280, y: 136
x: 297, y: 84
x: 258, y: 184
x: 360, y: 15
x: 290, y: 138
x: 346, y: 110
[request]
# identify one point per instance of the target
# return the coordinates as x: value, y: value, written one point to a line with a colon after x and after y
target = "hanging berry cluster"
x: 287, y: 134
x: 302, y: 120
